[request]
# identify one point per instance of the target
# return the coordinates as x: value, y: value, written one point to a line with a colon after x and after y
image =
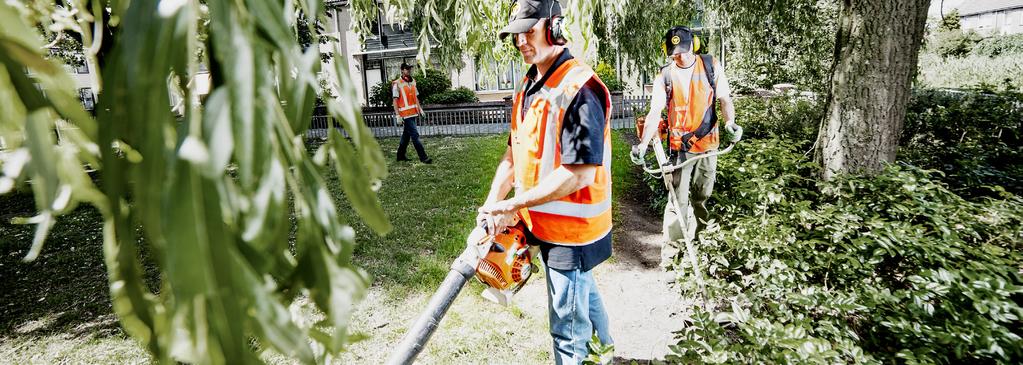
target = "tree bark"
x: 876, y: 53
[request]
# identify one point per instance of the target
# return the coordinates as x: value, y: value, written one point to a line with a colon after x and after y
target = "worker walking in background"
x: 408, y: 110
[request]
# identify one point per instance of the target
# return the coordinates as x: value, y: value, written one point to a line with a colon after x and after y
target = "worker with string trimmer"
x: 689, y: 85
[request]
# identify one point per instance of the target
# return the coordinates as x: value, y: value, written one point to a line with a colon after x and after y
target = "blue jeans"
x: 411, y: 132
x: 576, y: 312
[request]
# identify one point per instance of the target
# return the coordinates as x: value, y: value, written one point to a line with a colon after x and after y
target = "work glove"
x: 398, y: 121
x: 735, y: 130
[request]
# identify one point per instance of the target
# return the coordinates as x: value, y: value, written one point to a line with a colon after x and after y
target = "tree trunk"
x: 875, y: 60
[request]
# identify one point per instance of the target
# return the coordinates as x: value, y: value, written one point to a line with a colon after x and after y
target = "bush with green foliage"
x: 954, y: 43
x: 431, y: 82
x: 950, y: 21
x: 791, y: 117
x: 1000, y: 45
x: 456, y: 96
x: 886, y: 269
x: 609, y: 76
x: 974, y: 139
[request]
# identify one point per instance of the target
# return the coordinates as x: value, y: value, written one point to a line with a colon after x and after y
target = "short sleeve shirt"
x: 582, y: 142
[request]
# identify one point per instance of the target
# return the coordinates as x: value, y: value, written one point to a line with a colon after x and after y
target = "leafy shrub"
x: 1000, y: 45
x: 974, y: 139
x: 434, y: 81
x: 608, y: 75
x: 1004, y: 72
x: 431, y: 82
x: 954, y: 43
x: 456, y: 96
x: 950, y: 21
x: 790, y: 117
x: 380, y: 94
x: 887, y: 269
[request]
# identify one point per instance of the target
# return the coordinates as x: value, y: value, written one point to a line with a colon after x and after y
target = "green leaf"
x: 357, y: 185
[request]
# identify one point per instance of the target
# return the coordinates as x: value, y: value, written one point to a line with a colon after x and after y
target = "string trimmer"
x: 666, y: 173
x: 502, y: 262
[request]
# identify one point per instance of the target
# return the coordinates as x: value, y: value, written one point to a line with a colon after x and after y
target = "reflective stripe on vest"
x: 407, y: 99
x: 583, y: 216
x: 688, y: 109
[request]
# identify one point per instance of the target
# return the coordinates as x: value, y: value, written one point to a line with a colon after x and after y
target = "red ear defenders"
x: 554, y: 34
x: 553, y: 30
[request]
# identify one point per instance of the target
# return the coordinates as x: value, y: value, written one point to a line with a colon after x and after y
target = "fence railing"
x: 466, y: 119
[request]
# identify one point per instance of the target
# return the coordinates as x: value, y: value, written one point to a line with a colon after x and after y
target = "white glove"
x: 735, y: 130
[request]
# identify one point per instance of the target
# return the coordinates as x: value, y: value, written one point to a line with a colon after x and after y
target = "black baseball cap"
x: 678, y: 39
x: 525, y: 14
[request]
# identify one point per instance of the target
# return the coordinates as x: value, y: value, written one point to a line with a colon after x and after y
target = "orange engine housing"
x: 662, y: 127
x: 507, y: 265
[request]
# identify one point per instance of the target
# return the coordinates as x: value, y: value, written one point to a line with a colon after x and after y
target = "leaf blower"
x: 503, y: 262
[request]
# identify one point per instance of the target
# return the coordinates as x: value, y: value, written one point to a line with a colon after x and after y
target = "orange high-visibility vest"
x: 584, y: 216
x: 692, y: 111
x: 407, y: 101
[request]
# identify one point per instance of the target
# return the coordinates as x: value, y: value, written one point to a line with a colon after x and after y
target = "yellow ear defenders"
x: 674, y: 40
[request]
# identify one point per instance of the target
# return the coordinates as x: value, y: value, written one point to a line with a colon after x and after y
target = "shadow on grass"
x: 62, y: 291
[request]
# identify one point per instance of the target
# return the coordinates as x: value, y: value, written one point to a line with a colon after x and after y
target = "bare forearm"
x: 503, y: 179
x: 559, y: 183
x: 727, y: 109
x: 653, y: 119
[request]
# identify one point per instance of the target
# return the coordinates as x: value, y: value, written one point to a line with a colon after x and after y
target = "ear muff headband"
x: 664, y: 45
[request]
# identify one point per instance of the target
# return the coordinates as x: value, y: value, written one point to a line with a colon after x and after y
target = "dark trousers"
x: 411, y: 132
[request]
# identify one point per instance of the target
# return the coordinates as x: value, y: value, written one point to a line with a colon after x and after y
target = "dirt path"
x: 644, y: 309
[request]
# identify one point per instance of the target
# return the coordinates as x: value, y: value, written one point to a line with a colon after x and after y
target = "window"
x: 497, y: 77
x: 83, y: 68
x: 85, y: 96
x: 392, y: 66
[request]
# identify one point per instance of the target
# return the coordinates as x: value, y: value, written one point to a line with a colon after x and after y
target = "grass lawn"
x: 57, y: 308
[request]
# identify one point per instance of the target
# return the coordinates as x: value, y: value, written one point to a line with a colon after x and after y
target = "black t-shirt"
x: 582, y: 142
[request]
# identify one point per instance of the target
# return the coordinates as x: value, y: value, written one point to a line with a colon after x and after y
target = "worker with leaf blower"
x: 559, y: 163
x: 688, y: 85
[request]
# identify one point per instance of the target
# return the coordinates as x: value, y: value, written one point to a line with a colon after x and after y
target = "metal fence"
x: 466, y: 119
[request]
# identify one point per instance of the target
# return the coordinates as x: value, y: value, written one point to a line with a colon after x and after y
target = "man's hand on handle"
x: 498, y: 215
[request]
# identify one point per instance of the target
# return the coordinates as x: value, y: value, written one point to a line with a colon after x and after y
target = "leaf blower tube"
x: 502, y: 261
x: 415, y: 339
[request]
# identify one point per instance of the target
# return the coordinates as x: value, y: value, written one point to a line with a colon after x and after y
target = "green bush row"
x: 1000, y: 45
x: 456, y: 96
x: 960, y: 43
x: 1001, y: 73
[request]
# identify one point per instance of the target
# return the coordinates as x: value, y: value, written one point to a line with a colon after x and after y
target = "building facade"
x: 992, y: 17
